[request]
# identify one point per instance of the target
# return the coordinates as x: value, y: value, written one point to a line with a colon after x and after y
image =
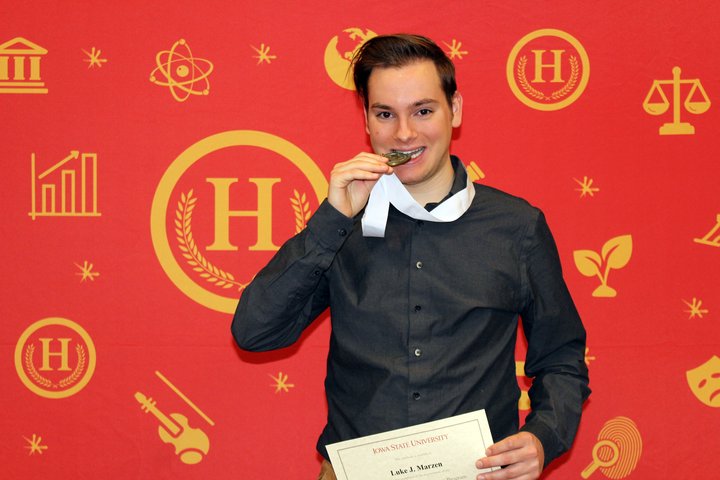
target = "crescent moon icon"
x: 338, y: 67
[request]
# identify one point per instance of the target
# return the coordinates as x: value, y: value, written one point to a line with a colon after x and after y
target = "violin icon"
x: 191, y: 444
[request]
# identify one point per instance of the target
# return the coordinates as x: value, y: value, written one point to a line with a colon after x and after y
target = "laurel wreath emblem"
x: 302, y: 210
x: 192, y: 254
x: 557, y: 94
x: 47, y: 383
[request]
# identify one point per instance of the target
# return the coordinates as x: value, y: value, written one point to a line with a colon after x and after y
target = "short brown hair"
x: 397, y: 51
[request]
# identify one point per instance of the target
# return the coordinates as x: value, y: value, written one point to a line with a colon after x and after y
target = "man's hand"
x: 352, y: 181
x: 522, y: 454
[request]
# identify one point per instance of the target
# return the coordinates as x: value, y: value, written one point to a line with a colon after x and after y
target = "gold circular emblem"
x: 198, y: 289
x: 548, y: 69
x: 64, y: 352
x: 339, y: 53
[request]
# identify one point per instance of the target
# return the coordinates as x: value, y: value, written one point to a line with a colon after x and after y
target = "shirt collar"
x: 459, y: 182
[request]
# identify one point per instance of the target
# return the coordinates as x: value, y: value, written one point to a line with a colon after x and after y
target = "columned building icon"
x: 20, y: 67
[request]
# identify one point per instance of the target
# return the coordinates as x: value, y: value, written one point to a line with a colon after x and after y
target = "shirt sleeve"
x: 556, y: 346
x: 292, y: 290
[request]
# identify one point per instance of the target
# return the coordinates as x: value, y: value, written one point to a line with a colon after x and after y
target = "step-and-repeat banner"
x: 156, y: 154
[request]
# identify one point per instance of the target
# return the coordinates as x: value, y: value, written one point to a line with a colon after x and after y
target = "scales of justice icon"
x: 691, y: 104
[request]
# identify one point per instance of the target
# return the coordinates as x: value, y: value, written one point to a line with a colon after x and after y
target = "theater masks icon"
x: 704, y: 382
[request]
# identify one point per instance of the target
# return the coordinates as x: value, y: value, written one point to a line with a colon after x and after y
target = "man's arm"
x: 555, y: 358
x: 555, y: 361
x: 291, y: 291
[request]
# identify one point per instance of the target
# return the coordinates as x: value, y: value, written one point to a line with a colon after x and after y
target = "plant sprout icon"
x: 615, y: 254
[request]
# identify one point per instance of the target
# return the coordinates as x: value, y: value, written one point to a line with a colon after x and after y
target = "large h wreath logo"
x: 211, y: 279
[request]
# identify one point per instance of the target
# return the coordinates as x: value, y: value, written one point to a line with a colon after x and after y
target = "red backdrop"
x: 156, y: 153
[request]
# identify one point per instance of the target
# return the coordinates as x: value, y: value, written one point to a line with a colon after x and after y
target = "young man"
x: 425, y: 288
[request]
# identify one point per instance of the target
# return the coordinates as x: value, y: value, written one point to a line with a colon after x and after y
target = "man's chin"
x: 407, y: 177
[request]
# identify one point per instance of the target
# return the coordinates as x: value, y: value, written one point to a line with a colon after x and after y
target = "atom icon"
x: 183, y: 73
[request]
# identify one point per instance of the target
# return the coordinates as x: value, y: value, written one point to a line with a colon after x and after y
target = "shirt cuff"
x: 547, y: 439
x: 330, y: 227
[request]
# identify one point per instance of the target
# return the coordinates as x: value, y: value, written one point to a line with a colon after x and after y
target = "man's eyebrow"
x: 419, y: 103
x: 424, y: 101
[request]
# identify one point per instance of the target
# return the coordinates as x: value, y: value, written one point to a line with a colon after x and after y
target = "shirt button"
x: 316, y: 273
x: 418, y: 308
x: 418, y: 352
x: 419, y: 265
x: 416, y: 396
x: 342, y: 232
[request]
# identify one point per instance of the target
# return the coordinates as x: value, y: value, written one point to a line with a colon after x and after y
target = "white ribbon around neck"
x: 390, y: 190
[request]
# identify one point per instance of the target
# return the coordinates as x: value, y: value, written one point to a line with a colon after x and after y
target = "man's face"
x: 408, y: 112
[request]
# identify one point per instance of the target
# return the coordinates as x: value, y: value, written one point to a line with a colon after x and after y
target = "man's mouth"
x: 413, y: 153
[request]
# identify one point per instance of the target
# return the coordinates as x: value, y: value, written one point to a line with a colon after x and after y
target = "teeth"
x: 413, y: 153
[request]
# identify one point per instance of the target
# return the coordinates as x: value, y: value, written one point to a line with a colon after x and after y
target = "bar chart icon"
x: 67, y: 189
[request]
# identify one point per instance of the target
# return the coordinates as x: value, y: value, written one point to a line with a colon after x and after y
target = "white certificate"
x: 444, y: 449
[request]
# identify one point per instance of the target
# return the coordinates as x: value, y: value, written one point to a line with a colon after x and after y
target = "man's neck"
x: 435, y: 189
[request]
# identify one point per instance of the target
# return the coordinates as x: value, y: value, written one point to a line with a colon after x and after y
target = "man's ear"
x: 456, y: 105
x: 367, y: 128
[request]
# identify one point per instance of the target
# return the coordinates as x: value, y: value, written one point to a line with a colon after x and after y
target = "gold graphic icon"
x: 86, y: 272
x: 455, y: 51
x: 201, y: 265
x: 35, y: 445
x: 66, y: 205
x: 94, y: 58
x: 22, y: 75
x: 184, y: 74
x: 190, y: 250
x: 184, y: 398
x: 695, y: 308
x: 589, y: 358
x: 615, y: 254
x: 691, y: 104
x: 524, y: 402
x: 301, y: 207
x: 57, y: 376
x: 704, y: 382
x: 586, y: 187
x: 204, y: 280
x: 263, y: 54
x: 191, y: 444
x: 708, y: 239
x: 617, y: 450
x: 474, y: 172
x: 339, y: 53
x: 281, y: 383
x: 548, y: 69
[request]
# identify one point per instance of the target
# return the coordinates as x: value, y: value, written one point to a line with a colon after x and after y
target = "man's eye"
x: 424, y: 112
x: 384, y: 115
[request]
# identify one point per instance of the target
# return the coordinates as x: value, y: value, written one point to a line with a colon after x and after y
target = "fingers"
x: 364, y: 166
x: 522, y: 455
x: 351, y: 182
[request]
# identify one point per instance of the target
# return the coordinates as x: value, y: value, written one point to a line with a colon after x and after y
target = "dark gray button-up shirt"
x: 424, y: 320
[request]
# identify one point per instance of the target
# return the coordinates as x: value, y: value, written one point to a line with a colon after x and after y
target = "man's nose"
x: 405, y: 132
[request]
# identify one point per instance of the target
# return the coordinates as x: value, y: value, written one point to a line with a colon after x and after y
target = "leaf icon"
x: 587, y: 262
x: 617, y: 251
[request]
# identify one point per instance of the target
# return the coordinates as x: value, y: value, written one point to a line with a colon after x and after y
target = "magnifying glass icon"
x: 599, y: 462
